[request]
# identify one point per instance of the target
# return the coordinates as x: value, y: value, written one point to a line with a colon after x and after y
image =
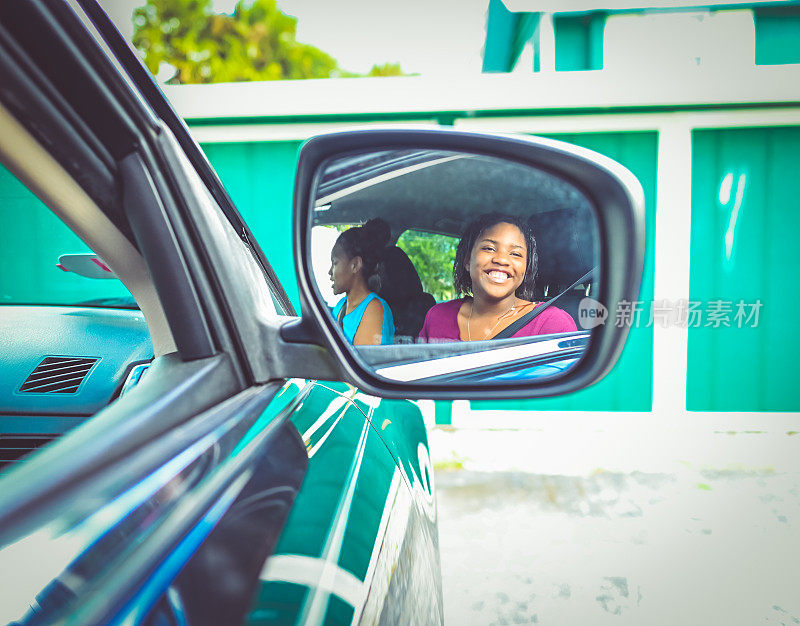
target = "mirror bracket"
x: 301, y: 330
x: 297, y: 350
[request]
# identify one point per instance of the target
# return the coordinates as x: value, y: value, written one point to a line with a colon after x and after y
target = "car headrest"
x: 566, y: 244
x: 399, y: 278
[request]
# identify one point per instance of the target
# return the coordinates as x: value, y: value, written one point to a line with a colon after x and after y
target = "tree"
x: 257, y: 42
x: 387, y: 69
x: 433, y: 256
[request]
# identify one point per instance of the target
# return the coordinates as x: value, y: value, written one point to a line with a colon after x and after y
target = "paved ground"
x: 691, y: 543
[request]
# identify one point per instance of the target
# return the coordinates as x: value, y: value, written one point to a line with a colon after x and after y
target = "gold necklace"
x: 499, y: 319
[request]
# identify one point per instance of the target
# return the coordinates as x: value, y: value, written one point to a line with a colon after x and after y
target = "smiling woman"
x: 496, y: 262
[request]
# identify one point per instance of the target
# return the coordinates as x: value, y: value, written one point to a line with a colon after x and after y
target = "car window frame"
x: 152, y: 94
x: 151, y: 424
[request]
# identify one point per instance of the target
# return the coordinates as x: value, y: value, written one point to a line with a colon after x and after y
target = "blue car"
x: 179, y: 445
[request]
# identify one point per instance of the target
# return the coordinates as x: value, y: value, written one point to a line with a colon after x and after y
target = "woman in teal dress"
x: 364, y: 317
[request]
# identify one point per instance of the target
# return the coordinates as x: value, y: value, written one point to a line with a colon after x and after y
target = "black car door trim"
x: 156, y: 239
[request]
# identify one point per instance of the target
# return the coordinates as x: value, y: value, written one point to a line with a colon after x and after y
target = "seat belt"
x: 509, y: 330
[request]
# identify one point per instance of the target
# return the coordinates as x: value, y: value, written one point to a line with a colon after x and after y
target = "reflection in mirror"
x: 453, y: 267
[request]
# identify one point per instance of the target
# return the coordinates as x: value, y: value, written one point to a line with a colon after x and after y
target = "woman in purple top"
x: 495, y: 266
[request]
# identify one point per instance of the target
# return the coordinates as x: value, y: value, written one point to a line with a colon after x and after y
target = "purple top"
x: 441, y: 322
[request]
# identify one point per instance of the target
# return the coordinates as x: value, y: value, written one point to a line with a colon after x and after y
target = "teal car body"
x: 358, y: 543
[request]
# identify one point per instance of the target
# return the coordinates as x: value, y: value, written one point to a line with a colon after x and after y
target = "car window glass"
x: 44, y: 261
x: 432, y: 255
x: 73, y: 338
x: 243, y: 279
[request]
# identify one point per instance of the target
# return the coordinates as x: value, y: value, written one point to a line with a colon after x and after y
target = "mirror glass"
x: 454, y: 267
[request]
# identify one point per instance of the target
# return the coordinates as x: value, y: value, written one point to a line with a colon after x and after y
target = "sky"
x: 424, y: 36
x: 428, y: 37
x: 446, y: 37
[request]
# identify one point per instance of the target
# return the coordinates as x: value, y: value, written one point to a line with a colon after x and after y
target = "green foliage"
x: 387, y: 69
x: 433, y: 256
x: 257, y: 42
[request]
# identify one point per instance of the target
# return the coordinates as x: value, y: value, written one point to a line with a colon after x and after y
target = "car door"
x: 164, y: 506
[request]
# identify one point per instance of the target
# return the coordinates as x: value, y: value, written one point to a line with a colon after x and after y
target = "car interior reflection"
x: 429, y: 200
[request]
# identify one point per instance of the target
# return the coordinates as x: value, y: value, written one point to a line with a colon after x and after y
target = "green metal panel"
x: 259, y: 176
x: 507, y: 33
x: 777, y: 35
x: 579, y: 41
x: 31, y: 239
x: 744, y: 246
x: 339, y: 612
x: 629, y: 386
x: 443, y: 413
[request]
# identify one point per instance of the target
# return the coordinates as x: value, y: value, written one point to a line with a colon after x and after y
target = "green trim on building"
x: 579, y: 36
x: 448, y: 117
x: 507, y: 32
x: 777, y: 35
x: 279, y: 120
x: 579, y: 41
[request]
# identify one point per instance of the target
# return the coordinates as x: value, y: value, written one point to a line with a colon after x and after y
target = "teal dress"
x: 352, y: 320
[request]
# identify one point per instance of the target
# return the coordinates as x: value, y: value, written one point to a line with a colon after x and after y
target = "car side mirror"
x: 443, y: 264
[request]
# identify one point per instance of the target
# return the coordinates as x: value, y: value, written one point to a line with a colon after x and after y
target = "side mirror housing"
x: 566, y: 233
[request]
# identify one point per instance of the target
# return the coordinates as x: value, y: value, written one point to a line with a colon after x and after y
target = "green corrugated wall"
x: 729, y: 368
x: 748, y: 249
x: 259, y: 176
x: 31, y: 239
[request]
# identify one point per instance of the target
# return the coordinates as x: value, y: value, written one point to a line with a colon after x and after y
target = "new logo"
x: 591, y: 313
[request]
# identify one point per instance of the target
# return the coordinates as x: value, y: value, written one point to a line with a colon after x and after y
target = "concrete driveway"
x: 660, y: 537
